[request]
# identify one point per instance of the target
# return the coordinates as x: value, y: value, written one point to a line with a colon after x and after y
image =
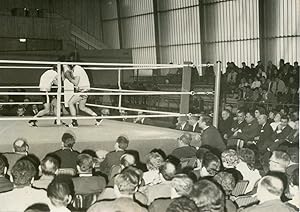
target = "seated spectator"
x: 126, y: 185
x: 248, y: 133
x: 182, y: 124
x: 67, y: 154
x: 113, y: 157
x: 247, y: 169
x: 294, y: 190
x: 211, y: 164
x: 23, y: 173
x: 49, y: 166
x: 184, y: 150
x: 256, y: 83
x: 153, y: 162
x: 126, y: 160
x: 163, y: 189
x: 38, y: 207
x: 5, y: 184
x: 86, y: 183
x: 60, y: 194
x: 208, y: 196
x: 193, y: 124
x: 269, y: 190
x: 238, y: 124
x: 228, y: 183
x: 225, y: 124
x: 279, y: 161
x: 276, y: 121
x: 266, y: 135
x: 210, y: 135
x: 230, y: 160
x: 20, y: 149
x: 182, y: 204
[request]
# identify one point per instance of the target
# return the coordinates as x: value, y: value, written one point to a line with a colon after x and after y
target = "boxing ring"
x: 111, y: 129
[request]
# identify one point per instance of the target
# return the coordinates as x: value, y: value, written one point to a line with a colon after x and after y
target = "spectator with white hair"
x: 153, y: 162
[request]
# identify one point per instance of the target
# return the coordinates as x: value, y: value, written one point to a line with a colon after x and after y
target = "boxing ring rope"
x: 118, y: 92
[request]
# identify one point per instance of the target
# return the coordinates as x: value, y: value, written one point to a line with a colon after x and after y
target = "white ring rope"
x: 21, y: 103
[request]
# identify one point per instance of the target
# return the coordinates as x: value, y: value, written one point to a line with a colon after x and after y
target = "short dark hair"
x: 85, y: 162
x: 23, y: 172
x: 50, y: 164
x: 284, y: 117
x: 182, y: 204
x: 20, y: 145
x: 38, y: 207
x: 210, y: 157
x: 251, y: 113
x: 68, y: 139
x: 122, y: 142
x: 3, y: 164
x: 59, y: 190
x: 208, y: 196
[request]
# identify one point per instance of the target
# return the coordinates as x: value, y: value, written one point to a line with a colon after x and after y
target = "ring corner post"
x: 217, y: 94
x: 58, y: 104
x: 185, y: 87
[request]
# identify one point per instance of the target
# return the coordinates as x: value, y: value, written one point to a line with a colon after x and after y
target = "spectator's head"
x: 181, y: 185
x: 85, y: 163
x: 184, y: 140
x: 127, y: 182
x: 167, y: 171
x: 20, y: 145
x: 49, y: 165
x: 121, y: 143
x: 262, y: 119
x: 226, y: 181
x: 240, y: 116
x: 279, y: 161
x: 60, y: 193
x: 154, y: 160
x: 294, y: 183
x: 269, y: 188
x: 38, y: 207
x: 193, y: 120
x: 182, y: 204
x: 229, y: 158
x: 127, y: 160
x: 211, y: 164
x: 248, y: 156
x: 23, y: 172
x: 3, y: 165
x: 225, y: 114
x: 229, y: 108
x: 259, y: 111
x: 284, y: 121
x: 205, y: 121
x: 208, y: 196
x: 249, y: 117
x: 277, y: 117
x: 68, y: 140
x: 20, y: 110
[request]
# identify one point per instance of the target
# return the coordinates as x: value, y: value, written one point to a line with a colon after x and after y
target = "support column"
x: 157, y: 72
x: 185, y: 86
x: 217, y: 94
x: 261, y: 22
x: 119, y: 24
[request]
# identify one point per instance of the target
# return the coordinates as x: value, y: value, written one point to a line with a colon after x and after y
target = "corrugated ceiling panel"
x: 144, y: 55
x: 111, y: 34
x: 180, y: 26
x: 138, y: 31
x: 135, y: 7
x: 109, y: 9
x: 173, y: 4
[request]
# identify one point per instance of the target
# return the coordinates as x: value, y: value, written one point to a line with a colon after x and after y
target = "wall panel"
x: 174, y: 4
x: 111, y: 34
x: 135, y: 7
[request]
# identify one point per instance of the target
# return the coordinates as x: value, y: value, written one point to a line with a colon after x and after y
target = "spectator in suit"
x: 113, y: 157
x: 86, y: 183
x: 20, y: 149
x: 126, y: 185
x: 182, y: 124
x: 184, y: 150
x: 60, y: 193
x: 238, y: 124
x: 208, y: 196
x: 67, y: 154
x: 49, y: 166
x: 23, y: 173
x: 193, y: 124
x: 269, y: 190
x: 225, y: 124
x: 266, y: 135
x: 248, y: 133
x: 276, y: 121
x: 210, y: 135
x: 5, y: 184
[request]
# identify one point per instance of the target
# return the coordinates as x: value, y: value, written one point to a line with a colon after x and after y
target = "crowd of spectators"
x: 250, y: 162
x: 269, y: 84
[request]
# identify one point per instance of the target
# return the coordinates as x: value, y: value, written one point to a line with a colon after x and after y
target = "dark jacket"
x: 211, y: 137
x: 250, y: 131
x: 266, y: 137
